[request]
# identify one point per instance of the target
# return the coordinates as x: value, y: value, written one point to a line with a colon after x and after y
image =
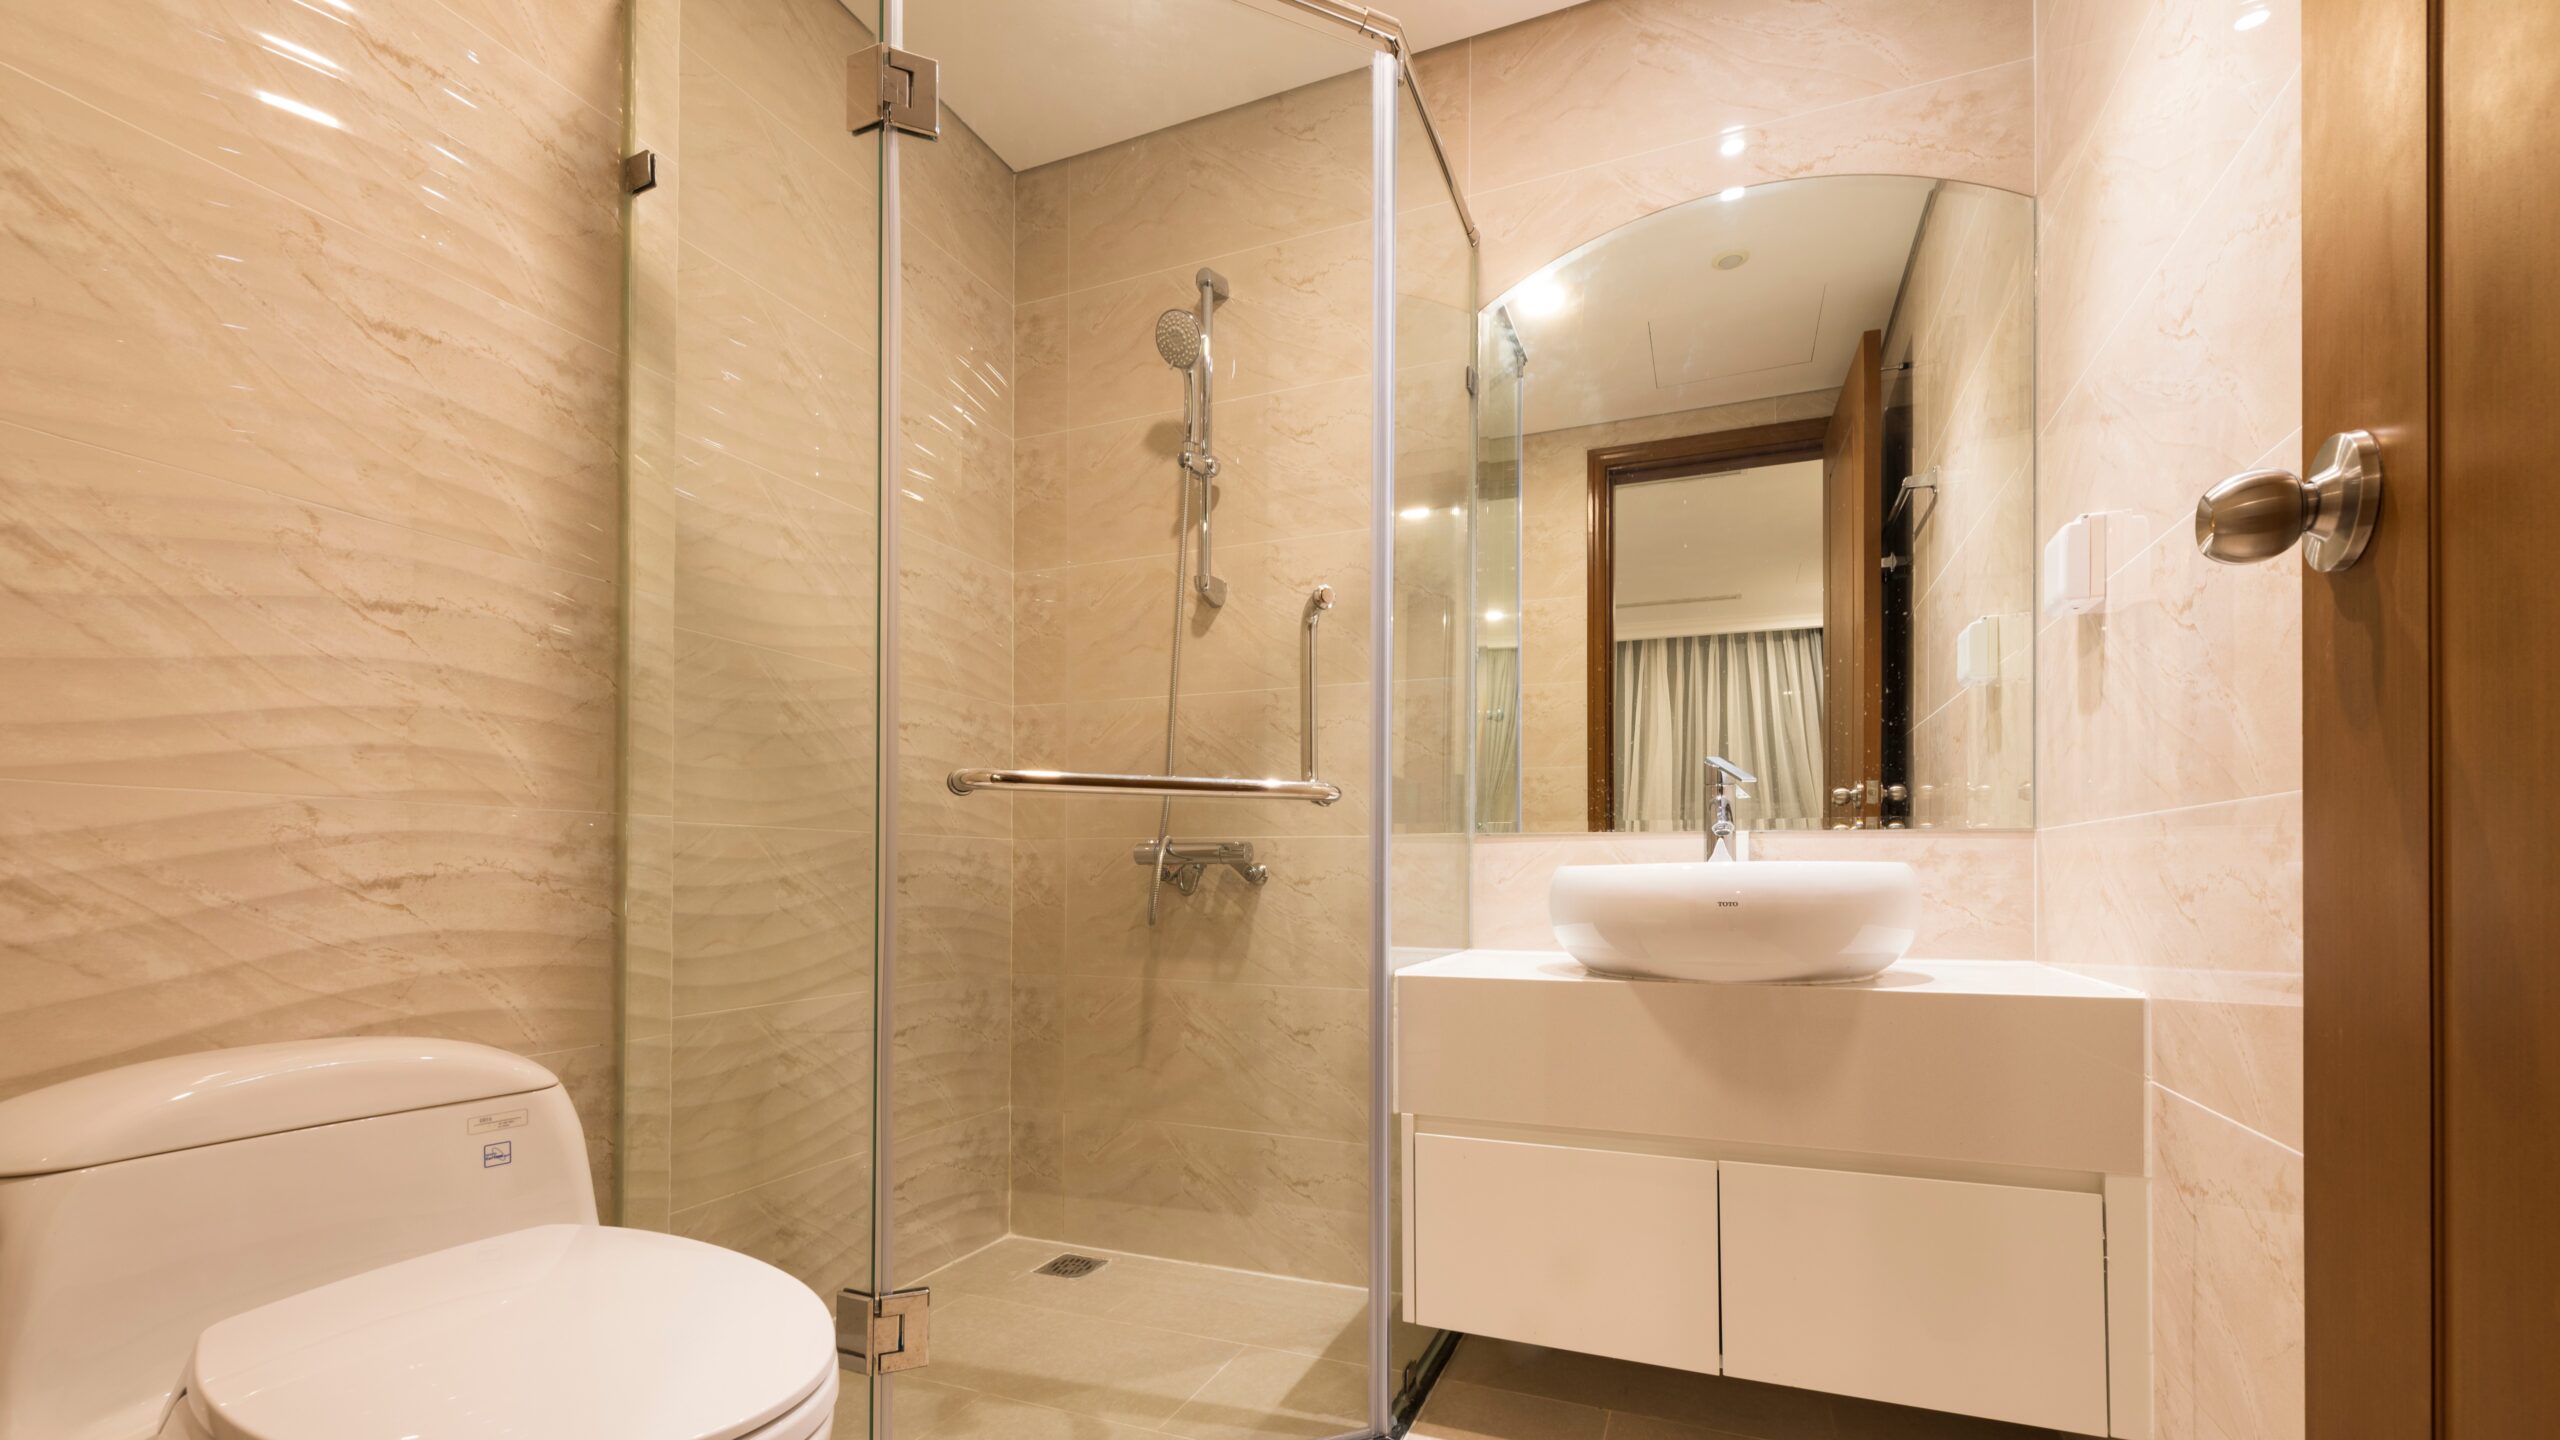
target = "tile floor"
x: 1138, y: 1350
x: 1499, y: 1390
x: 1143, y: 1348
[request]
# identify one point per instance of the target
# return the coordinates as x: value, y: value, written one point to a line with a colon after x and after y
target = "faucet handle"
x: 1731, y: 771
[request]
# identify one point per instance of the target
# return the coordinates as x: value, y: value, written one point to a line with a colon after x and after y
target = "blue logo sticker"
x: 497, y: 1153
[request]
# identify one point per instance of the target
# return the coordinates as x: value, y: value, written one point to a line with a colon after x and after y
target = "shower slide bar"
x: 1179, y: 787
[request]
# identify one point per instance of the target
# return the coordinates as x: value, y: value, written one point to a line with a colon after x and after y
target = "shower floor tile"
x: 1501, y: 1390
x: 1139, y: 1349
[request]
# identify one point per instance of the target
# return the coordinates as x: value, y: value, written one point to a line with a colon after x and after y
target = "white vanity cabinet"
x: 1928, y: 1194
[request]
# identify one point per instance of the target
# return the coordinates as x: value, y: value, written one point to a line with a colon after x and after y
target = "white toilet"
x: 362, y: 1240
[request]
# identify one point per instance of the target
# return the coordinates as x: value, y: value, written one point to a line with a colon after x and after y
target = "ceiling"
x: 1715, y: 554
x: 1643, y: 322
x: 1040, y: 80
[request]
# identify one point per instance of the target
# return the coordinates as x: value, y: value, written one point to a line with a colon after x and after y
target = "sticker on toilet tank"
x: 497, y: 1153
x: 498, y: 1120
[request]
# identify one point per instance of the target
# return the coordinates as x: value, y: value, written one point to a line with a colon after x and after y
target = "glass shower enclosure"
x: 1048, y: 554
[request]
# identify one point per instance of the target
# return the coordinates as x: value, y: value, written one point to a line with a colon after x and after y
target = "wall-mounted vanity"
x: 1924, y: 1188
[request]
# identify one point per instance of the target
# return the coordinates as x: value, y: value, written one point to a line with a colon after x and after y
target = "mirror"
x: 1755, y: 479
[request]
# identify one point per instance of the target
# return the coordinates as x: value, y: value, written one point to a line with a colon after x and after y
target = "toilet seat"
x: 560, y: 1332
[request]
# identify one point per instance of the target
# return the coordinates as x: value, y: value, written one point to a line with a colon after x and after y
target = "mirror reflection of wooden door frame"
x: 1617, y: 465
x: 1853, y: 595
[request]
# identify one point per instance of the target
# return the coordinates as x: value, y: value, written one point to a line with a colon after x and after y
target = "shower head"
x: 1178, y: 338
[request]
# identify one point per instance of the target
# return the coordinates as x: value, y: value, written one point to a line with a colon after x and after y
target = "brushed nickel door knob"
x: 2258, y: 514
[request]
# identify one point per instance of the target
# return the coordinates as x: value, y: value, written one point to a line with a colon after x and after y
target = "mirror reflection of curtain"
x: 1498, y: 738
x: 1754, y: 698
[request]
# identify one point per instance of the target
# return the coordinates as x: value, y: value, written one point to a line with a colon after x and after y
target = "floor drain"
x: 1070, y: 1267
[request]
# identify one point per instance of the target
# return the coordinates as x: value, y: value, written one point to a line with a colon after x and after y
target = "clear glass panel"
x: 751, y: 688
x: 1502, y: 370
x: 1183, y: 1098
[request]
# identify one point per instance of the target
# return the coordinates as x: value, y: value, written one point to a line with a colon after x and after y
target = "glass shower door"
x: 751, y: 684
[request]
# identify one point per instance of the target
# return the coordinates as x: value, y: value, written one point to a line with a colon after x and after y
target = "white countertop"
x: 1995, y: 1062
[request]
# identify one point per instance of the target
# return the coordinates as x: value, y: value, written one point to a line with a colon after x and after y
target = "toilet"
x: 365, y: 1239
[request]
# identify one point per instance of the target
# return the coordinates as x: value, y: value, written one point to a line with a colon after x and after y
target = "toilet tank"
x: 139, y: 1205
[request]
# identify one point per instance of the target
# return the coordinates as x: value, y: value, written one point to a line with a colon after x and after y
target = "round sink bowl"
x: 1762, y: 920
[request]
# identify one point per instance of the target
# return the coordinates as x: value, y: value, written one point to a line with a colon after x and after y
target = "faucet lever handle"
x: 1715, y: 763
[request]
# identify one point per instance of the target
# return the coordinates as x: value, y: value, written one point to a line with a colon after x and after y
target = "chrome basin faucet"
x: 1724, y: 782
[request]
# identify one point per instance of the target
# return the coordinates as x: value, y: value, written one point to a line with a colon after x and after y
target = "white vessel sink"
x: 1760, y: 920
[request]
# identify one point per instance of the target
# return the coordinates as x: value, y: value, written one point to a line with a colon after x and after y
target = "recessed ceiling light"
x: 1733, y: 259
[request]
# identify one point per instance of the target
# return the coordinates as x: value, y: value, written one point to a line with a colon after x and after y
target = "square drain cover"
x: 1070, y: 1267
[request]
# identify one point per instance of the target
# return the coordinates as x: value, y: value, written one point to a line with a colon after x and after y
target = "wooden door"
x: 1853, y: 592
x: 2431, y: 724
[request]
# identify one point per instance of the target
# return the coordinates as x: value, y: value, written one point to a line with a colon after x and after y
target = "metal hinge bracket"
x: 639, y: 171
x: 896, y: 88
x: 886, y: 1333
x: 1471, y: 380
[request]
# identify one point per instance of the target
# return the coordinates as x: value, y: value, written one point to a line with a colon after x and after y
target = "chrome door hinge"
x: 1471, y: 380
x: 886, y: 1333
x: 896, y: 88
x: 639, y: 171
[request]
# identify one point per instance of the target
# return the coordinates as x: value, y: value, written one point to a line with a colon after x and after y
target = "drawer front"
x: 1600, y: 1251
x: 1981, y: 1299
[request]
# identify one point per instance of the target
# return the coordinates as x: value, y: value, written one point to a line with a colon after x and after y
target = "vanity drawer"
x: 1982, y: 1299
x: 1602, y: 1251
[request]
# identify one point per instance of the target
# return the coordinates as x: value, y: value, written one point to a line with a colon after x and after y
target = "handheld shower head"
x: 1178, y: 338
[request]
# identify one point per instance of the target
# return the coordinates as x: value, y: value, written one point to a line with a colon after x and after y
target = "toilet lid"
x: 561, y: 1331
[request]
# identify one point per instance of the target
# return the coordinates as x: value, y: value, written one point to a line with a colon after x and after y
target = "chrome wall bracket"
x: 884, y: 1333
x: 897, y: 88
x: 2258, y: 514
x: 639, y: 171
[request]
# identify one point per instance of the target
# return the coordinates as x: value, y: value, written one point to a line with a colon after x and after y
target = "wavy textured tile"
x: 172, y: 629
x: 1284, y: 1205
x: 765, y: 916
x: 156, y: 922
x: 766, y: 738
x: 1280, y: 1060
x: 769, y: 1091
x: 389, y: 119
x: 166, y: 309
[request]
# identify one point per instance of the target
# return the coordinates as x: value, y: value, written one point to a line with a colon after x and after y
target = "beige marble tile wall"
x: 309, y: 484
x: 1966, y: 324
x: 1555, y: 592
x: 2171, y: 849
x: 954, y: 1051
x: 1195, y: 1090
x: 754, y: 333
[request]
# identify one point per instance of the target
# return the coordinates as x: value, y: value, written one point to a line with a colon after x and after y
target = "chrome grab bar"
x: 1318, y: 601
x: 1082, y: 782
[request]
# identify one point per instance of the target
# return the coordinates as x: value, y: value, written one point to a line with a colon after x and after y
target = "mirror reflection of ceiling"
x: 1717, y: 301
x: 1719, y: 554
x: 1040, y: 80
